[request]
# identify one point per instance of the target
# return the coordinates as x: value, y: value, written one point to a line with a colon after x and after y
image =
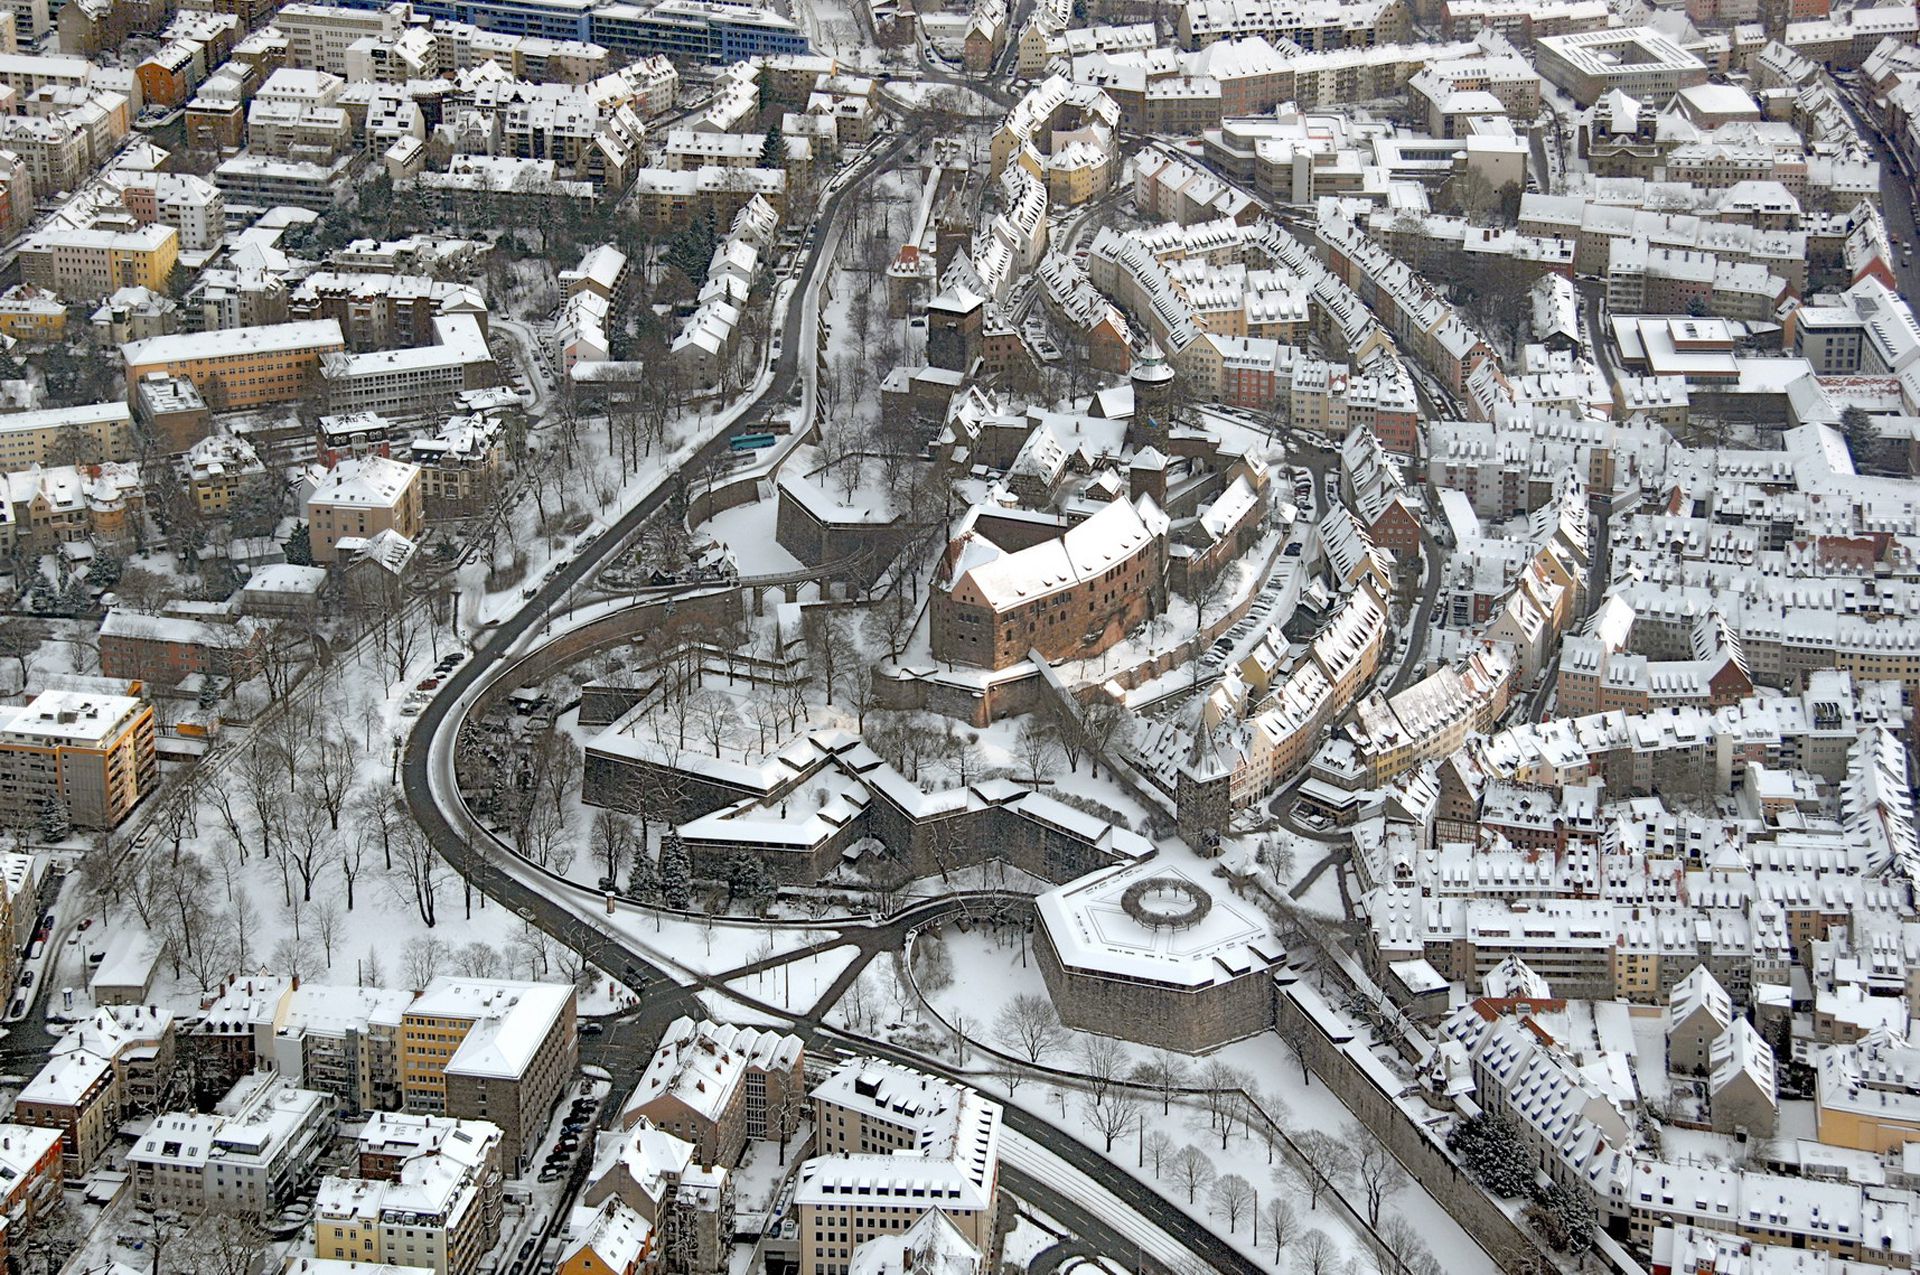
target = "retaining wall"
x: 1413, y: 1145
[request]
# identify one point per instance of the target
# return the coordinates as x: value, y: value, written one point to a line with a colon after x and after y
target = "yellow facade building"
x: 240, y: 367
x: 95, y: 753
x: 94, y: 263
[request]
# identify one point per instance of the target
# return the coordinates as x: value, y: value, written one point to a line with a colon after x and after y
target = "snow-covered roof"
x: 71, y: 717
x: 931, y: 1246
x: 1111, y: 536
x: 615, y: 1235
x: 1095, y: 928
x: 306, y: 334
x: 509, y: 1021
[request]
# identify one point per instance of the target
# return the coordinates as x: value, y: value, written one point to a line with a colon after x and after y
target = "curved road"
x: 666, y: 998
x: 499, y: 642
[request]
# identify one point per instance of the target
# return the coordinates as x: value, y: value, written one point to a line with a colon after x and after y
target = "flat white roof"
x: 1094, y: 932
x: 69, y: 717
x: 181, y: 347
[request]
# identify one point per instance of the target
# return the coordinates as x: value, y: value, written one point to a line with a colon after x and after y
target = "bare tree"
x: 1315, y: 1254
x: 1192, y: 1169
x: 312, y: 841
x: 1103, y: 1064
x: 353, y: 856
x: 612, y: 840
x: 717, y: 718
x: 209, y: 954
x: 1283, y: 1224
x: 1293, y: 1031
x: 1405, y: 1253
x: 1232, y: 1197
x: 1037, y: 750
x: 178, y: 898
x: 478, y: 960
x: 293, y: 956
x: 330, y: 776
x: 224, y: 791
x: 259, y: 772
x: 1068, y: 732
x: 1326, y: 1163
x: 421, y: 960
x: 239, y: 922
x: 1112, y: 1113
x: 863, y: 691
x: 1218, y: 1081
x: 1165, y: 1071
x: 418, y: 872
x: 326, y: 921
x: 1156, y: 1147
x: 1105, y: 727
x: 1376, y: 1171
x: 377, y: 820
x: 966, y: 758
x: 1028, y: 1026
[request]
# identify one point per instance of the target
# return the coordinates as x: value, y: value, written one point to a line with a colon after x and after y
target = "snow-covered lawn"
x: 726, y: 1009
x: 748, y: 532
x: 988, y: 973
x: 699, y: 947
x: 797, y: 985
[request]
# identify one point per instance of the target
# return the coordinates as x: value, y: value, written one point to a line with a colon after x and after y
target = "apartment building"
x: 343, y: 1041
x: 422, y: 379
x: 216, y: 468
x: 1868, y: 1094
x: 1842, y: 1219
x: 664, y: 198
x: 165, y: 650
x: 240, y: 367
x: 1312, y: 24
x: 193, y: 206
x: 1638, y: 61
x: 461, y: 464
x: 892, y: 1143
x: 94, y: 753
x: 717, y: 1086
x: 115, y: 1063
x: 380, y: 310
x: 75, y: 1094
x: 1265, y: 724
x: 428, y: 1196
x: 697, y: 31
x: 90, y: 264
x: 95, y: 432
x: 484, y: 1049
x: 319, y: 35
x: 252, y: 1154
x: 361, y: 498
x: 30, y: 1178
x: 34, y: 314
x: 612, y: 1239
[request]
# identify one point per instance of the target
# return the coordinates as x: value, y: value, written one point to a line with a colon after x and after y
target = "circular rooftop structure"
x: 1166, y: 903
